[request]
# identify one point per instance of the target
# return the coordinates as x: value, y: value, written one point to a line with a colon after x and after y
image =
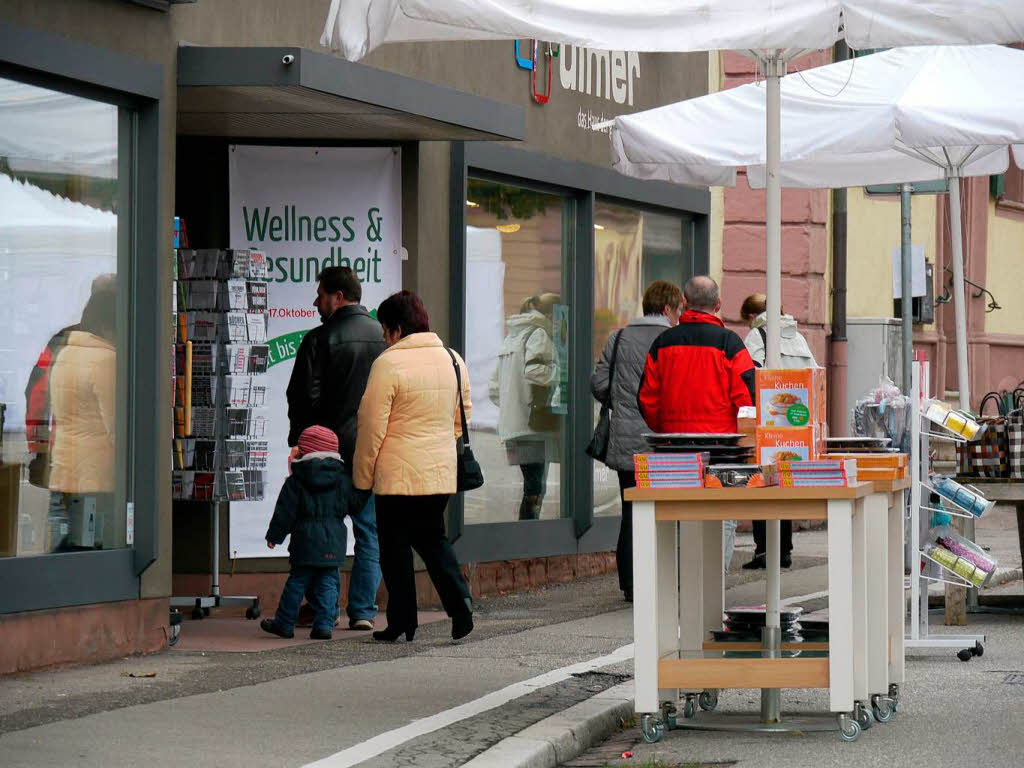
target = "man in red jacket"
x: 698, y: 374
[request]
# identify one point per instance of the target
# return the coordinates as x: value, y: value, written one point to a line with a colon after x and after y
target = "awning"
x: 293, y: 93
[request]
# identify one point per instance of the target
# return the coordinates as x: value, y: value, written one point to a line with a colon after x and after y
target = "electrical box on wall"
x: 923, y: 307
x: 874, y: 349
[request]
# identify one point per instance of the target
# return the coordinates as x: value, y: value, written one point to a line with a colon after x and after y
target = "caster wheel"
x: 849, y: 729
x: 894, y: 694
x: 690, y: 707
x: 864, y: 717
x: 978, y: 649
x: 252, y: 613
x: 197, y: 614
x: 965, y: 655
x: 652, y: 729
x: 883, y: 708
x: 708, y: 700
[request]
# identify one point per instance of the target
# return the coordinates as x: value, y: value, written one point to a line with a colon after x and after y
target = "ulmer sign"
x: 610, y: 74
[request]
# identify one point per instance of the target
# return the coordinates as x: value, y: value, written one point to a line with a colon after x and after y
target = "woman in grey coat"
x: 662, y: 304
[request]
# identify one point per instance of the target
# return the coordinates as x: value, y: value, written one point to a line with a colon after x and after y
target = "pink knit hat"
x: 317, y: 440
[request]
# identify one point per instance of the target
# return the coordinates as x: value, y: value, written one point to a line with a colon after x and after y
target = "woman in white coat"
x: 524, y: 388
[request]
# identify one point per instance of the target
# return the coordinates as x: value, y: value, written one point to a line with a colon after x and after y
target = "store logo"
x: 606, y: 74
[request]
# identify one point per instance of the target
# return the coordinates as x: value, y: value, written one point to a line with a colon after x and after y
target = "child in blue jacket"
x: 311, y: 508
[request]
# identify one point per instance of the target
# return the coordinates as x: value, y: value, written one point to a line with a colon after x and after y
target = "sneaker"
x: 757, y: 563
x: 320, y: 634
x: 361, y: 625
x: 269, y: 625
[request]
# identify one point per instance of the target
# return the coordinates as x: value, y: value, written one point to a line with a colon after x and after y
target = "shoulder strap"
x: 462, y: 405
x: 611, y: 367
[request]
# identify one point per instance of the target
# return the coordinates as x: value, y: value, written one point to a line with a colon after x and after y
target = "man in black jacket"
x: 330, y: 374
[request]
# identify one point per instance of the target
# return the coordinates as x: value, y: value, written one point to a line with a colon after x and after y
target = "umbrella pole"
x: 959, y: 300
x: 775, y: 68
x: 906, y: 271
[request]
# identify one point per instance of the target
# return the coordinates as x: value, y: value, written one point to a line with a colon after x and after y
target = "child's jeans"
x: 323, y: 584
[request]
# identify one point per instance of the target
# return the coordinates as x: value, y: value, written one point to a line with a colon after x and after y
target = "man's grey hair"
x: 701, y: 293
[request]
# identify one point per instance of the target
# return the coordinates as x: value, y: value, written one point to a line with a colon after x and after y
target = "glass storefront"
x: 632, y: 249
x: 517, y: 343
x: 62, y: 325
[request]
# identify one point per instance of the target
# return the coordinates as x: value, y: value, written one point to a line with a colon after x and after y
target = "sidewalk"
x: 436, y: 704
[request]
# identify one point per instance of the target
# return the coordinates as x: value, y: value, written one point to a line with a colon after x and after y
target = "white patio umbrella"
x: 908, y: 114
x: 773, y: 32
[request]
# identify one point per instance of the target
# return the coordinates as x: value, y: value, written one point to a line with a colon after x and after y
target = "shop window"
x: 632, y: 249
x: 517, y: 344
x: 62, y: 329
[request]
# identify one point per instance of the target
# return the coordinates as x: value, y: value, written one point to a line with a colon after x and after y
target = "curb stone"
x: 561, y: 737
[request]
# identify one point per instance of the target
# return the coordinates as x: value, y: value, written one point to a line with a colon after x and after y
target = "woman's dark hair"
x: 100, y: 314
x: 404, y: 310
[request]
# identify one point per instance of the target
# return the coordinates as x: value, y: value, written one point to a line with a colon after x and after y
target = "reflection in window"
x: 632, y: 249
x: 517, y: 350
x: 59, y: 328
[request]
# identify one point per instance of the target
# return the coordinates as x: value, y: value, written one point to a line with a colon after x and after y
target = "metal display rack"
x: 921, y: 575
x: 220, y: 352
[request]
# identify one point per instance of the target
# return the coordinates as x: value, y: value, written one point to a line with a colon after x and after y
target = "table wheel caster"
x: 652, y: 729
x: 708, y: 700
x: 894, y: 694
x: 883, y: 708
x: 253, y: 611
x: 690, y: 706
x: 863, y: 715
x: 849, y: 728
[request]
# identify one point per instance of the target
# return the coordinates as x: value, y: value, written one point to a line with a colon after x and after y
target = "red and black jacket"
x: 696, y: 378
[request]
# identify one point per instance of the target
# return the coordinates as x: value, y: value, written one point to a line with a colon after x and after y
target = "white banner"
x: 308, y: 208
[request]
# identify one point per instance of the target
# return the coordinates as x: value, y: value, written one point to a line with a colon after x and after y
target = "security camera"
x: 287, y: 59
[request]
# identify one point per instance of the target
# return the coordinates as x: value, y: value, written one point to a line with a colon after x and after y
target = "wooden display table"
x: 671, y: 625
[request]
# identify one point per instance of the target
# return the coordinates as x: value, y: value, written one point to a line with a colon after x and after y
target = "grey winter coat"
x: 627, y: 423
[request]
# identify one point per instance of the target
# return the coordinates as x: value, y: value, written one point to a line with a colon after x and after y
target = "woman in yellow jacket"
x: 405, y: 453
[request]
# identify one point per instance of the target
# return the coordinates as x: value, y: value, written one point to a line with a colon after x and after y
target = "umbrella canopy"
x: 356, y: 27
x: 907, y: 114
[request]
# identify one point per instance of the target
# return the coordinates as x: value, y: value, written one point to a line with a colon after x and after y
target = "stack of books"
x: 875, y: 466
x: 669, y: 470
x: 811, y: 474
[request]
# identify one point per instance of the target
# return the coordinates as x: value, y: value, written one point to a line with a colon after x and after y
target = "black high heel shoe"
x: 462, y: 625
x: 390, y: 634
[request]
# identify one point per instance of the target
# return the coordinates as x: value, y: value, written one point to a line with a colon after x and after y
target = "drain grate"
x: 1014, y: 678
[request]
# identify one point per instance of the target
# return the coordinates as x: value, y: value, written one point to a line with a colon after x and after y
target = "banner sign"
x: 308, y: 208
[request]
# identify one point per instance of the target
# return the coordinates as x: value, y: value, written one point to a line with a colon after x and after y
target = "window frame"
x: 48, y: 61
x: 580, y: 531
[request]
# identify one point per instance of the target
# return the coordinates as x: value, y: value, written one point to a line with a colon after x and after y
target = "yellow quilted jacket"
x: 409, y: 420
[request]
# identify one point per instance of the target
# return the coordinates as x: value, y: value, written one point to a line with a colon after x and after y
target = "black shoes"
x: 390, y: 634
x: 462, y: 625
x: 321, y: 634
x: 628, y: 595
x: 269, y: 625
x: 759, y: 562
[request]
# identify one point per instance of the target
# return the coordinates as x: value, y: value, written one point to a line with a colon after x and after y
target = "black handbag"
x: 598, y: 446
x: 470, y: 476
